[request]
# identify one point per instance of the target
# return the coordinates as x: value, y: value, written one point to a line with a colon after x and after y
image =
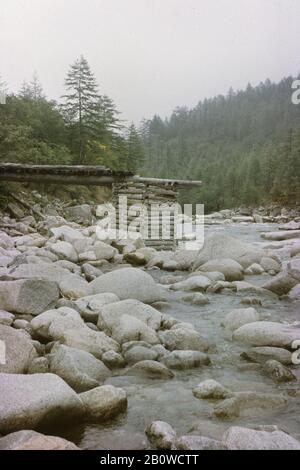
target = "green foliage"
x: 85, y: 129
x: 245, y: 147
x: 134, y: 152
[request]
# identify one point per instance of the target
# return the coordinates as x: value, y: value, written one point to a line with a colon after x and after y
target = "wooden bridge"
x: 81, y: 174
x: 138, y: 190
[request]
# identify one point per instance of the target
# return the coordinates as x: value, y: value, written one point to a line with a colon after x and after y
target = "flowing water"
x: 172, y: 400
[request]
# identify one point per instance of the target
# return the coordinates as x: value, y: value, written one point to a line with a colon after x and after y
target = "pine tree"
x: 3, y: 90
x: 134, y: 151
x: 32, y: 90
x: 81, y: 107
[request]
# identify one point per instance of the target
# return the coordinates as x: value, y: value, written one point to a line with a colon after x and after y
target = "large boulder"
x: 197, y: 283
x: 161, y: 435
x: 265, y: 353
x: 112, y: 313
x: 231, y: 269
x: 104, y: 402
x: 281, y: 284
x: 52, y: 324
x: 32, y: 440
x: 64, y: 250
x: 67, y: 234
x: 238, y: 438
x: 140, y: 352
x: 29, y: 401
x: 294, y: 294
x: 6, y: 318
x: 129, y: 283
x: 128, y: 328
x: 266, y: 333
x: 249, y: 404
x: 185, y: 359
x: 278, y: 372
x: 220, y: 245
x: 80, y: 214
x: 151, y: 369
x: 191, y: 442
x: 94, y: 342
x: 240, y: 317
x: 28, y: 296
x: 183, y: 339
x: 19, y: 350
x: 80, y: 369
x: 90, y: 306
x: 293, y: 269
x: 211, y: 389
x: 281, y: 235
x: 104, y: 251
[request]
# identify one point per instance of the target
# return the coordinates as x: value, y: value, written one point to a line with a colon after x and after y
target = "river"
x: 172, y: 400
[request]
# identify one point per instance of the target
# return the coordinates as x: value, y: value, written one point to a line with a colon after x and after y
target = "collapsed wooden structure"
x: 145, y: 197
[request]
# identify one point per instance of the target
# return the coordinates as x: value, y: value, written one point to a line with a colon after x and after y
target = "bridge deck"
x: 80, y: 174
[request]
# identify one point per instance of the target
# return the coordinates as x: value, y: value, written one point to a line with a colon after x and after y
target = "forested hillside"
x: 82, y: 128
x: 245, y: 147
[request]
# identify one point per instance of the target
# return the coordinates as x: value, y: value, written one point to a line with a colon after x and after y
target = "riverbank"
x: 115, y: 335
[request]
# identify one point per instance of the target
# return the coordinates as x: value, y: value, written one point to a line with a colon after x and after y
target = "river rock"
x: 129, y: 283
x: 278, y: 372
x: 19, y: 350
x: 28, y: 401
x: 264, y: 354
x: 185, y: 359
x: 28, y: 296
x: 210, y: 389
x: 239, y: 317
x: 64, y: 250
x: 86, y: 339
x: 81, y: 214
x: 161, y: 435
x: 39, y: 365
x: 151, y: 369
x: 200, y: 283
x: 140, y: 353
x: 52, y: 324
x: 183, y: 339
x: 294, y: 294
x: 75, y: 287
x: 281, y: 235
x: 231, y: 269
x: 293, y: 269
x: 80, y: 369
x: 254, y: 269
x: 281, y: 284
x: 191, y: 442
x: 196, y: 299
x: 104, y: 251
x: 220, y: 245
x: 112, y: 313
x: 113, y: 360
x: 104, y: 402
x: 266, y: 333
x: 249, y: 404
x: 6, y: 318
x: 32, y: 440
x: 238, y: 438
x: 90, y: 272
x: 270, y: 264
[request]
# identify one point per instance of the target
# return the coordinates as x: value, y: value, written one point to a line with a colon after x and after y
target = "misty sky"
x: 151, y: 55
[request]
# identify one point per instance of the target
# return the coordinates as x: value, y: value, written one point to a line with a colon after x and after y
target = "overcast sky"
x: 151, y: 55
